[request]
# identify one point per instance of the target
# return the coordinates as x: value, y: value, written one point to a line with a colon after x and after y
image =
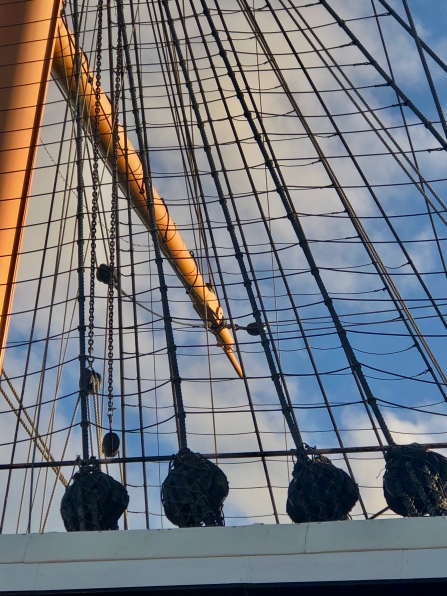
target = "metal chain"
x: 112, y: 231
x: 95, y: 188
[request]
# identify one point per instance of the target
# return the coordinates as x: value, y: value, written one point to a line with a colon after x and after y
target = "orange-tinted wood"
x: 27, y: 30
x: 131, y: 179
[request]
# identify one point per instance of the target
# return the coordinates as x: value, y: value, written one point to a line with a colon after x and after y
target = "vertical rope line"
x: 287, y: 410
x: 213, y: 244
x: 145, y: 151
x: 67, y: 440
x: 168, y: 73
x: 239, y: 223
x: 151, y: 274
x: 37, y: 411
x: 80, y: 240
x: 199, y: 248
x: 121, y: 321
x: 233, y: 202
x: 272, y: 253
x: 136, y: 341
x: 171, y: 347
x: 137, y: 361
x: 63, y: 349
x: 276, y: 254
x: 47, y: 443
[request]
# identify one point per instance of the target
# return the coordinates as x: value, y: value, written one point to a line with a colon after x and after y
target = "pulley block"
x: 110, y: 444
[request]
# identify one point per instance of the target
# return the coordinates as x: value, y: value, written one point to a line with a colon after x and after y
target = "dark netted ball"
x: 93, y: 501
x: 110, y: 444
x: 319, y: 491
x: 415, y: 481
x: 105, y: 274
x: 194, y: 491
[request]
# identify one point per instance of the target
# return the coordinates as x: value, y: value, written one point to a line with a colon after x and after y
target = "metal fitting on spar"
x: 131, y: 181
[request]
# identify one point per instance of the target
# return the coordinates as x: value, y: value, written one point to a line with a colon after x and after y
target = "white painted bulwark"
x: 396, y: 549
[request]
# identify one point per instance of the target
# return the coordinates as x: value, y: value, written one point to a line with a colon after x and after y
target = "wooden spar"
x: 26, y: 47
x: 130, y: 177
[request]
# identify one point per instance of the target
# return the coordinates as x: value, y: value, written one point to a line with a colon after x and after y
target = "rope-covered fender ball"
x: 93, y: 501
x: 415, y: 481
x: 319, y: 491
x: 104, y: 273
x: 194, y: 491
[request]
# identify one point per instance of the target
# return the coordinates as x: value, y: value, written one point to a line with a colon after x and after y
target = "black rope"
x: 80, y: 239
x: 171, y: 347
x: 271, y: 246
x: 121, y: 324
x: 255, y: 455
x: 411, y: 144
x: 210, y: 229
x: 429, y: 51
x: 399, y: 303
x: 134, y: 309
x: 242, y: 234
x: 238, y: 253
x: 431, y: 84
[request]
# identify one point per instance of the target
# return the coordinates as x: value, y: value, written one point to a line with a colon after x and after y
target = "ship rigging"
x: 222, y: 263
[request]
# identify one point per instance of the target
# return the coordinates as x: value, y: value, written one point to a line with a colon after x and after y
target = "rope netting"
x: 415, y: 481
x: 302, y: 161
x: 194, y: 491
x: 319, y: 491
x: 93, y: 501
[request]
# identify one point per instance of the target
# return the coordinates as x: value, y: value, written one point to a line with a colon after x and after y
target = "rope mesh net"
x: 194, y: 491
x: 295, y: 109
x: 93, y: 501
x: 415, y: 481
x: 319, y: 491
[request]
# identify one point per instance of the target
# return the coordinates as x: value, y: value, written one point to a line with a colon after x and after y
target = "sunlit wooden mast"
x: 131, y: 180
x: 30, y: 32
x: 27, y: 30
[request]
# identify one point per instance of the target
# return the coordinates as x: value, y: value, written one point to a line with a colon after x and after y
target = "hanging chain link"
x: 95, y: 190
x: 112, y: 231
